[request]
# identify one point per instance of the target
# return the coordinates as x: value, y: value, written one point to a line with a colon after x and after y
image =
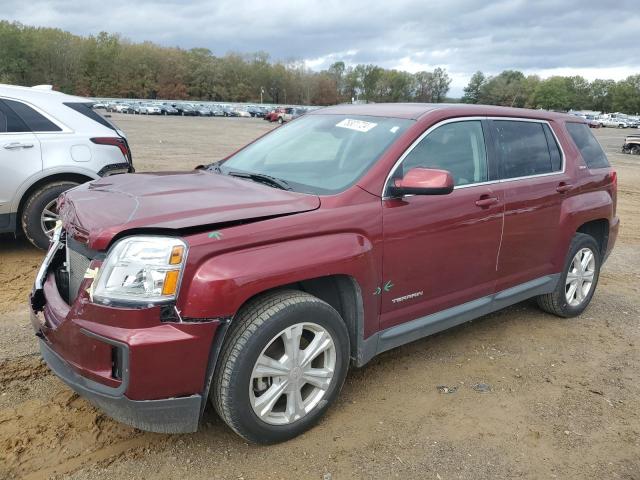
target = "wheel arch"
x: 599, y: 230
x: 588, y: 213
x: 56, y: 177
x: 343, y: 293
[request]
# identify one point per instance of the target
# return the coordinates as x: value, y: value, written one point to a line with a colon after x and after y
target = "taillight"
x: 614, y: 179
x: 116, y: 142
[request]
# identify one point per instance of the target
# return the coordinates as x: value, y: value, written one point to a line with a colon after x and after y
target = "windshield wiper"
x: 262, y: 178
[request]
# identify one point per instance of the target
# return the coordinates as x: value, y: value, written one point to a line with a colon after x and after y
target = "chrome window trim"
x: 489, y: 182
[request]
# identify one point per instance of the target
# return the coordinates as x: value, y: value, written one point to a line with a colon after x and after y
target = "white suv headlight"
x: 141, y: 270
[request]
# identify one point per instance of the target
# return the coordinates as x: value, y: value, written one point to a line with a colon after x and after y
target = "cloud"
x: 591, y: 38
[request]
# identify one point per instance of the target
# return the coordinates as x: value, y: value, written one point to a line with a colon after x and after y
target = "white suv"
x: 50, y: 142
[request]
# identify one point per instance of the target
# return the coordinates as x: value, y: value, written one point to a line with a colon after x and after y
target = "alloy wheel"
x: 49, y: 217
x: 292, y: 374
x: 580, y: 277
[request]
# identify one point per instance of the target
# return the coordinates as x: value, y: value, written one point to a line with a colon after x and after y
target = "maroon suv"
x: 257, y: 281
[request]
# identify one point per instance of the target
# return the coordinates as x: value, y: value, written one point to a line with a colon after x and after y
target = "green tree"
x: 472, y: 91
x: 601, y: 93
x: 626, y: 95
x: 507, y: 89
x: 441, y: 84
x: 553, y: 94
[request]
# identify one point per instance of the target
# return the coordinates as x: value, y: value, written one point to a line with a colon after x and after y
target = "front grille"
x: 77, y: 265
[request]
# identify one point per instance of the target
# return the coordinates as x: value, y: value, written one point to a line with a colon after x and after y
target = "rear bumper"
x: 172, y: 415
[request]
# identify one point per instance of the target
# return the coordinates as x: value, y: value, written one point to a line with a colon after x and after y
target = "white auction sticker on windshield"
x: 357, y: 125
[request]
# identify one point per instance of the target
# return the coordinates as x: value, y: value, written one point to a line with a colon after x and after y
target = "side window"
x: 457, y: 147
x: 522, y: 148
x: 34, y: 121
x: 589, y: 147
x: 9, y: 121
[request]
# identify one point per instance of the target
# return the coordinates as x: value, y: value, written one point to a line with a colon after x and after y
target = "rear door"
x: 533, y: 183
x: 20, y: 158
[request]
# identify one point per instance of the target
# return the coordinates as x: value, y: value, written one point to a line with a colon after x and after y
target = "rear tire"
x: 34, y: 218
x: 265, y: 330
x: 566, y: 300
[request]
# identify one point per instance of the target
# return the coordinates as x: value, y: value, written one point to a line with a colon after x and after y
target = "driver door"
x: 441, y: 250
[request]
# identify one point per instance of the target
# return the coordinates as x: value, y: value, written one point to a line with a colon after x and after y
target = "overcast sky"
x: 596, y: 39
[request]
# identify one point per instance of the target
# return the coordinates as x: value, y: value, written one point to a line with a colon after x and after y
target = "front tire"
x: 578, y: 280
x: 283, y: 365
x: 39, y: 214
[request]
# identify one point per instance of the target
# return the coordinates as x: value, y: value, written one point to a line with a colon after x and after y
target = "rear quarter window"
x: 87, y: 110
x: 35, y: 121
x: 590, y: 149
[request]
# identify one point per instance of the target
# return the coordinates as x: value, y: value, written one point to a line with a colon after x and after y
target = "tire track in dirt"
x: 43, y: 437
x: 22, y: 369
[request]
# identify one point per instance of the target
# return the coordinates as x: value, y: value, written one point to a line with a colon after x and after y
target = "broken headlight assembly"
x: 141, y: 270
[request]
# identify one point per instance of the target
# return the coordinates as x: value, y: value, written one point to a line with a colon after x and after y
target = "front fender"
x: 224, y: 282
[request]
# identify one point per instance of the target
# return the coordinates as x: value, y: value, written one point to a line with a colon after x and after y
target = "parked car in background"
x: 259, y: 280
x: 289, y: 114
x: 272, y: 116
x: 166, y: 109
x: 150, y: 109
x: 613, y: 122
x: 110, y: 106
x: 185, y: 110
x: 243, y: 112
x: 633, y: 122
x: 593, y: 121
x: 122, y: 108
x: 631, y: 145
x: 229, y: 111
x: 203, y: 111
x: 216, y: 111
x: 51, y: 142
x: 256, y: 111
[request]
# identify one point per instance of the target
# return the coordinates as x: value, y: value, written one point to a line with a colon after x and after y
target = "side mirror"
x: 422, y: 181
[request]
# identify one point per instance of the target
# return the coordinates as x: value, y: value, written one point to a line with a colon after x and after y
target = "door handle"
x: 486, y: 202
x: 16, y: 145
x: 563, y: 187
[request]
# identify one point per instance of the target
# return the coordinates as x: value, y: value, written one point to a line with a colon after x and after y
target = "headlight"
x: 141, y: 270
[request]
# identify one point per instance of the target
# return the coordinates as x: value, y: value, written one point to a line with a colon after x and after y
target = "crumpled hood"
x: 97, y: 211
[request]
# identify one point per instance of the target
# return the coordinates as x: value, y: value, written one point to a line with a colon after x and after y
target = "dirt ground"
x: 564, y: 398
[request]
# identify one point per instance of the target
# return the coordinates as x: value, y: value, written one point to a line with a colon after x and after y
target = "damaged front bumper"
x: 138, y: 367
x: 171, y: 415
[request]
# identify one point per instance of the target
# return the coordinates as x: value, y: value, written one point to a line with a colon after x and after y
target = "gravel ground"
x: 561, y: 402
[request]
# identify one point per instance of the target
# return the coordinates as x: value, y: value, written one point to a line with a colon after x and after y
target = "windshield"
x: 321, y: 154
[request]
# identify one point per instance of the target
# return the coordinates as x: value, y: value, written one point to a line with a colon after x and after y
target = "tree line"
x: 107, y: 65
x: 513, y: 88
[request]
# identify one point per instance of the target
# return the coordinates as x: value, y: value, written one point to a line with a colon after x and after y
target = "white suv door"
x: 20, y: 158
